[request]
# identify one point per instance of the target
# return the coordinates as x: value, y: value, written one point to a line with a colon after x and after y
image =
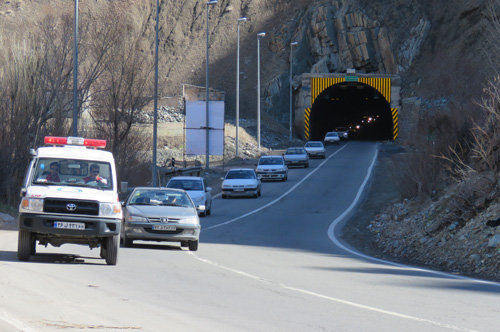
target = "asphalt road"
x: 269, y: 264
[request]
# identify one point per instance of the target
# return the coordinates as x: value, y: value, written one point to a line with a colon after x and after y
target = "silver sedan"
x: 160, y: 214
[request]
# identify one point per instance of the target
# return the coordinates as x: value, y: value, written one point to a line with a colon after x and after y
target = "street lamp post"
x: 241, y: 19
x: 292, y: 44
x: 154, y: 179
x: 207, y: 150
x: 259, y: 35
x: 75, y: 74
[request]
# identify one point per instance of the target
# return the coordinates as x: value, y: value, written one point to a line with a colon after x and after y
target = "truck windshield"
x: 72, y: 172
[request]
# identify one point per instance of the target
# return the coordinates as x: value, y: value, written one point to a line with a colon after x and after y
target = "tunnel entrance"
x: 353, y: 105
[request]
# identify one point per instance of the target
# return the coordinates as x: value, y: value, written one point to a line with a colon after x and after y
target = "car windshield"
x: 186, y: 184
x: 271, y: 161
x: 295, y: 151
x: 314, y: 145
x: 331, y: 134
x: 163, y: 197
x: 73, y: 172
x: 240, y: 174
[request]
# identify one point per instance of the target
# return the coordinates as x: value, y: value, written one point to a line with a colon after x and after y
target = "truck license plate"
x: 164, y: 227
x: 69, y: 225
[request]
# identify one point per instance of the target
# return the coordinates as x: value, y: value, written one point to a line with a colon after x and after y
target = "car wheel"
x: 193, y: 245
x: 306, y: 165
x: 209, y: 211
x: 111, y: 252
x: 224, y: 196
x: 285, y: 178
x: 24, y: 245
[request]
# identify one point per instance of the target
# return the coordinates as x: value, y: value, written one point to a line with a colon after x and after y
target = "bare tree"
x: 124, y: 86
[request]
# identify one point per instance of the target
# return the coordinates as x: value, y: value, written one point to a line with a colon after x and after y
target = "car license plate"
x: 69, y: 225
x: 238, y: 189
x: 164, y: 228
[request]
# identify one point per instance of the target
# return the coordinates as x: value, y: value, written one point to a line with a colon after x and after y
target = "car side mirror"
x: 208, y: 189
x: 222, y: 179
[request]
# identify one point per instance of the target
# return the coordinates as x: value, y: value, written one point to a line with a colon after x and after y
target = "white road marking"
x: 277, y: 199
x: 325, y: 297
x: 340, y: 245
x: 9, y: 319
x: 331, y: 235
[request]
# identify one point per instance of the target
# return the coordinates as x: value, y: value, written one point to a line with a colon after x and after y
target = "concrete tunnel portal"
x: 367, y: 105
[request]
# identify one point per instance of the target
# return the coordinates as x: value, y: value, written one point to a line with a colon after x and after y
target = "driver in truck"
x: 94, y: 175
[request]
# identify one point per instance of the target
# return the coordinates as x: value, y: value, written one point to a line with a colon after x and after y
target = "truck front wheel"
x: 111, y: 253
x: 25, y: 245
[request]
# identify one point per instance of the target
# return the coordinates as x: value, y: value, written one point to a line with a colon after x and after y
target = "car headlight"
x: 110, y: 210
x: 191, y: 220
x: 252, y: 186
x: 32, y: 204
x: 136, y: 219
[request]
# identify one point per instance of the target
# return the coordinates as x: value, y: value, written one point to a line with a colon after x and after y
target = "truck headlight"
x: 110, y: 210
x: 32, y: 204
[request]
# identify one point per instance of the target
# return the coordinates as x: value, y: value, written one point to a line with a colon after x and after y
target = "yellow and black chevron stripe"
x: 395, y: 125
x: 307, y: 114
x: 320, y: 84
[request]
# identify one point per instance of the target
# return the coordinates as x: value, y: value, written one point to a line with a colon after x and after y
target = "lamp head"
x: 294, y: 43
x: 242, y: 19
x: 261, y: 34
x: 212, y: 2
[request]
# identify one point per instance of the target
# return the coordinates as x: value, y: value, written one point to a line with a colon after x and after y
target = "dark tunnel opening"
x: 353, y: 105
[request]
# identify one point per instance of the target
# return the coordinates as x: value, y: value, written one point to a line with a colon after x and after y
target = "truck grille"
x: 65, y: 206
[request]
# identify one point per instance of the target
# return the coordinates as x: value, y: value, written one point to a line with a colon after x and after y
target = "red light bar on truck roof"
x: 95, y: 143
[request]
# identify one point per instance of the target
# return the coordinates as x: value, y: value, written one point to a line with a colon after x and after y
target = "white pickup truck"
x: 70, y: 195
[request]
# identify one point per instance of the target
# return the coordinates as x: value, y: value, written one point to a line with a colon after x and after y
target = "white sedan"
x: 198, y: 191
x: 315, y: 149
x: 272, y: 168
x: 241, y: 182
x: 332, y: 137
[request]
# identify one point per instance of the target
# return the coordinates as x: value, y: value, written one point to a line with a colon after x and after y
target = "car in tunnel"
x: 296, y: 156
x: 315, y: 149
x: 332, y: 137
x: 343, y: 132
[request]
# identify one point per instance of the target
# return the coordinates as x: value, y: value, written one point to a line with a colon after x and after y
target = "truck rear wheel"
x: 25, y: 244
x: 111, y: 253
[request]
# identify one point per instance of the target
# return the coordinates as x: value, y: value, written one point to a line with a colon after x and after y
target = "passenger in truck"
x: 54, y: 172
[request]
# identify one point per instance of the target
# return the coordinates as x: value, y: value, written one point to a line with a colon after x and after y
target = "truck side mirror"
x: 124, y: 187
x: 22, y: 193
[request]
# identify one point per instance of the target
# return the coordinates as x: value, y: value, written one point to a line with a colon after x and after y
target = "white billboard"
x: 196, y: 127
